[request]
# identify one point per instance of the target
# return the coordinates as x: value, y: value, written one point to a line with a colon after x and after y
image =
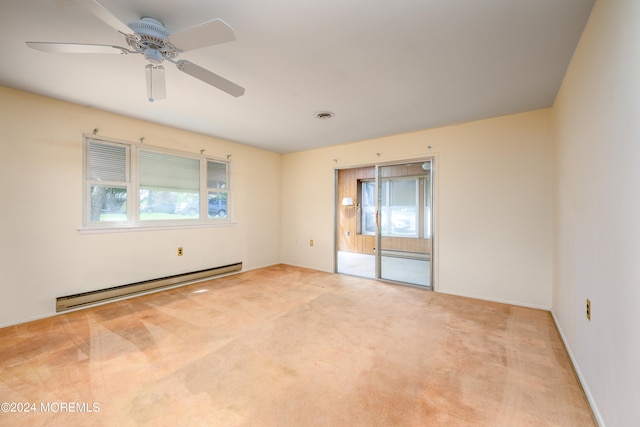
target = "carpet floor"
x: 287, y: 346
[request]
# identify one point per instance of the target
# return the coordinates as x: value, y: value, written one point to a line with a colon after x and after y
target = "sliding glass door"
x: 384, y: 222
x: 404, y: 200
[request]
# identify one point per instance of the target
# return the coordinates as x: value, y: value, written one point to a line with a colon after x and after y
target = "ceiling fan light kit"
x: 156, y: 87
x: 149, y: 37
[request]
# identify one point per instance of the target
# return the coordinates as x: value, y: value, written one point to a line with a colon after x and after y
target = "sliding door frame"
x: 433, y: 159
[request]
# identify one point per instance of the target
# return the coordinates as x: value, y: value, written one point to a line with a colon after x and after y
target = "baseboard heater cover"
x: 103, y: 295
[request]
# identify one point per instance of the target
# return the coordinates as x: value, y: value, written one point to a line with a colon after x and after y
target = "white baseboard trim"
x: 585, y: 387
x: 29, y: 319
x: 307, y: 267
x: 498, y: 300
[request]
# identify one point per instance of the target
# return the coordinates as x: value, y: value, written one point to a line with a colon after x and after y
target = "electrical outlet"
x: 310, y: 242
x: 588, y: 309
x: 180, y: 251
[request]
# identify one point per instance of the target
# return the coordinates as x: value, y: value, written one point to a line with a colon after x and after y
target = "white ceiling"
x: 382, y: 67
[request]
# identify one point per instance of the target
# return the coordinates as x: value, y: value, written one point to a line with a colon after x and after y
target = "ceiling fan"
x: 149, y: 37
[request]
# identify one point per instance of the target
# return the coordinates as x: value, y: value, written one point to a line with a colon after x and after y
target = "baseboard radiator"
x: 103, y: 295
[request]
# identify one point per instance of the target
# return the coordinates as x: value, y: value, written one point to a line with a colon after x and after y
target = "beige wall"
x: 42, y: 253
x: 493, y: 214
x: 498, y: 212
x: 493, y: 200
x: 597, y: 245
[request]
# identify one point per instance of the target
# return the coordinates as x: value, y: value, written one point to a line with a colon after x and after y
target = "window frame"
x: 133, y: 219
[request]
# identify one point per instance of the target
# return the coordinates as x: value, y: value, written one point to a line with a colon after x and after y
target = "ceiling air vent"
x: 324, y: 115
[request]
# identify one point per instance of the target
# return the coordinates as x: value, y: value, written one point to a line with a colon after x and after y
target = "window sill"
x: 135, y: 228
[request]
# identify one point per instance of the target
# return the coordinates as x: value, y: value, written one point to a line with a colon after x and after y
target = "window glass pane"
x: 165, y: 171
x: 403, y: 221
x: 164, y: 205
x: 189, y: 208
x: 384, y: 193
x: 368, y: 204
x: 384, y: 208
x: 427, y: 207
x: 403, y: 208
x: 384, y: 220
x: 217, y: 205
x: 169, y: 186
x: 107, y: 162
x: 403, y: 192
x: 108, y: 203
x: 216, y: 174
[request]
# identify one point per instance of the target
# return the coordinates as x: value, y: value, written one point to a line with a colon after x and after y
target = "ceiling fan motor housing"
x: 151, y: 38
x: 149, y: 27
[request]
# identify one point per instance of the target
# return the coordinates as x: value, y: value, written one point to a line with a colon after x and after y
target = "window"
x: 217, y: 189
x: 399, y: 207
x: 107, y: 179
x: 136, y: 185
x: 368, y: 204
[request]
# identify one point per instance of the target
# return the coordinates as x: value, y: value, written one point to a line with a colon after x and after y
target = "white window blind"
x: 107, y: 162
x: 164, y: 171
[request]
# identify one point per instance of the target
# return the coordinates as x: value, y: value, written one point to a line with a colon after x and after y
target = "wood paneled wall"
x: 405, y: 244
x: 348, y: 238
x: 349, y: 216
x: 412, y: 169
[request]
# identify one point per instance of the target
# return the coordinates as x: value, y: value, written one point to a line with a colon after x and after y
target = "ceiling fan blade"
x: 209, y: 33
x: 156, y: 85
x: 76, y: 48
x: 102, y: 13
x: 210, y: 78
